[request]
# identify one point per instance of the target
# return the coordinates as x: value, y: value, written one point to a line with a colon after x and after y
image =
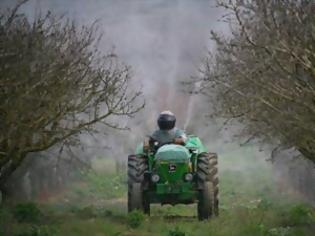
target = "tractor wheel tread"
x: 213, y: 172
x: 207, y: 177
x: 137, y: 165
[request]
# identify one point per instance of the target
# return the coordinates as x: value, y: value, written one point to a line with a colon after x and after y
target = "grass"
x: 250, y: 204
x: 135, y: 219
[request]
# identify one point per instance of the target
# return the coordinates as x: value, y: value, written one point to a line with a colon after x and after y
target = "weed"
x: 105, y: 212
x: 176, y: 232
x: 27, y: 212
x: 86, y: 212
x: 300, y: 215
x: 135, y: 219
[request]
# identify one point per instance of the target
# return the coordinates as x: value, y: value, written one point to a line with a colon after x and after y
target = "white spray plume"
x: 191, y: 103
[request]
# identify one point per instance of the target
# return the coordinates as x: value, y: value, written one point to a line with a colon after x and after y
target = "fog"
x: 164, y: 42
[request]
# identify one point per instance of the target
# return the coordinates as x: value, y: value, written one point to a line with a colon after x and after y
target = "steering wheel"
x: 156, y: 144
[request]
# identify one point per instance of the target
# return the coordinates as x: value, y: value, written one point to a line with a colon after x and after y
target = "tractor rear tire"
x: 205, y: 203
x: 135, y: 197
x: 208, y: 182
x: 137, y: 166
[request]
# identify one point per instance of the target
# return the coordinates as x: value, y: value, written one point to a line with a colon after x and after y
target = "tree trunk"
x: 5, y: 195
x: 6, y: 173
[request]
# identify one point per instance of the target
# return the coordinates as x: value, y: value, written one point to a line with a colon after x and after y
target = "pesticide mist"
x: 80, y: 186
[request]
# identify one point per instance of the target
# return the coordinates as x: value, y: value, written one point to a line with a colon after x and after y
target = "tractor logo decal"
x: 172, y: 167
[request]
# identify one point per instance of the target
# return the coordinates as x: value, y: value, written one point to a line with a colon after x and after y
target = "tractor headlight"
x: 188, y: 177
x: 155, y: 178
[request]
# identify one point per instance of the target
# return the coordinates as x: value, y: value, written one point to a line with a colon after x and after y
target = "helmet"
x: 166, y: 120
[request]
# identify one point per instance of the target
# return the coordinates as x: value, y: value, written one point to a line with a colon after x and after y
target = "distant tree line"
x: 263, y: 73
x: 54, y: 85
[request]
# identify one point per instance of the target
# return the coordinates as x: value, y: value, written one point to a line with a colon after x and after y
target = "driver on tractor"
x: 167, y: 132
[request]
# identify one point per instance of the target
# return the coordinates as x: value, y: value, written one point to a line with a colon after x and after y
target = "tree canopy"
x: 55, y: 83
x: 263, y: 73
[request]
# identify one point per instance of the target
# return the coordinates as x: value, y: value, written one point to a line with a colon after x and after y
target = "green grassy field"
x: 250, y: 204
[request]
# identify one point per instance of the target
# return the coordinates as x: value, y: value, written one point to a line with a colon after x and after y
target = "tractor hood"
x: 172, y: 163
x: 172, y: 153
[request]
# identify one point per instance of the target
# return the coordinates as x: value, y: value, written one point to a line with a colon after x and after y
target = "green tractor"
x: 174, y: 174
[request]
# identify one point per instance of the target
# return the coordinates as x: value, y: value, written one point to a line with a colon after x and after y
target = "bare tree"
x: 263, y: 73
x: 54, y: 85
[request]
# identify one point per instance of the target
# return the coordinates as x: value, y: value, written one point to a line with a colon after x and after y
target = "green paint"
x: 172, y: 162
